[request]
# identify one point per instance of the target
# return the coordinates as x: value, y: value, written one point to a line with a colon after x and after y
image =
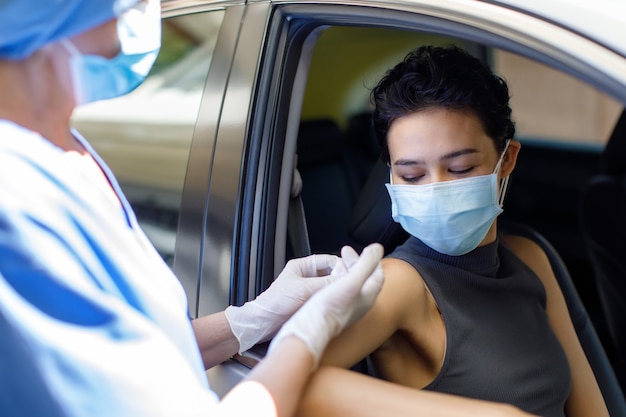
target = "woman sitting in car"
x: 463, y: 309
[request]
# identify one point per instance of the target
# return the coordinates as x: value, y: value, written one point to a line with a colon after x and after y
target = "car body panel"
x: 602, y: 21
x: 222, y: 210
x: 190, y: 242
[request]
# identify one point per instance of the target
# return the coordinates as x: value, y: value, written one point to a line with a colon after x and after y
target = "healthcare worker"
x: 92, y: 321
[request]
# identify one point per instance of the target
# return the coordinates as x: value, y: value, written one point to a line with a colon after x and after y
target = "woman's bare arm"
x: 585, y: 398
x: 342, y: 393
x: 275, y: 386
x: 398, y: 303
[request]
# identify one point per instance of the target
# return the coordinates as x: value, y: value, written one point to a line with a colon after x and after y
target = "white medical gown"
x: 92, y: 321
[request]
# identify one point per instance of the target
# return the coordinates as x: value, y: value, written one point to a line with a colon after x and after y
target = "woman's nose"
x: 440, y: 176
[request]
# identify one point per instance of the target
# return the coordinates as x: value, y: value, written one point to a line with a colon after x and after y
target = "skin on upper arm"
x: 339, y: 392
x: 585, y: 397
x: 399, y: 305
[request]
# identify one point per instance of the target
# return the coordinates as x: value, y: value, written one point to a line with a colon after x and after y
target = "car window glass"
x: 550, y: 105
x: 145, y: 136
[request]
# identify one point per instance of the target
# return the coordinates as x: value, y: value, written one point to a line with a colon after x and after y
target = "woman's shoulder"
x: 531, y: 254
x: 523, y: 247
x: 404, y: 286
x: 400, y: 270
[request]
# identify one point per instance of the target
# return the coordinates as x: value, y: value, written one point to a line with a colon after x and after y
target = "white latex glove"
x: 258, y: 320
x: 338, y: 305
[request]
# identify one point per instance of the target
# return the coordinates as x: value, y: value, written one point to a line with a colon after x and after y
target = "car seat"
x: 371, y: 216
x: 329, y: 185
x: 372, y: 222
x: 603, y: 222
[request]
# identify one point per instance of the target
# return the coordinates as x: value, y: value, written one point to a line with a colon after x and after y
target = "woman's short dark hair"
x: 442, y: 77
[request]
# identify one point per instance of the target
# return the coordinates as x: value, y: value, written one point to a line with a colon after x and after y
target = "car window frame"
x: 188, y: 254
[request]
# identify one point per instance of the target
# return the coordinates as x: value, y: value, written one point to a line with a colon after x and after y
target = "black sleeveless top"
x: 499, y: 345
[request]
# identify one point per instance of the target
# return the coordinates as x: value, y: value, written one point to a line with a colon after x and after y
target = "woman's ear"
x: 510, y: 158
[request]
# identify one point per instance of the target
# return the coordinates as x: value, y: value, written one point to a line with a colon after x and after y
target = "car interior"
x: 368, y: 219
x: 344, y: 201
x: 602, y: 208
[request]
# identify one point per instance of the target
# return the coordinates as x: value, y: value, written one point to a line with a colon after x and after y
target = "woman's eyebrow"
x: 458, y: 153
x: 408, y: 162
x: 448, y: 156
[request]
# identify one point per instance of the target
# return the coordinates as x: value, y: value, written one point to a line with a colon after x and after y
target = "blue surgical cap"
x: 27, y: 25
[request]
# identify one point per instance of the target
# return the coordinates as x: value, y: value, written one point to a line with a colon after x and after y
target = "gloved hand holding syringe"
x: 259, y: 320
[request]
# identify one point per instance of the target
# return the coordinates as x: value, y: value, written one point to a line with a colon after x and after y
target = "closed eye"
x: 412, y: 179
x: 461, y: 171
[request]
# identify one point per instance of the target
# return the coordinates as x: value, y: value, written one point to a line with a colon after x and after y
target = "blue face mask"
x: 98, y: 78
x: 451, y: 217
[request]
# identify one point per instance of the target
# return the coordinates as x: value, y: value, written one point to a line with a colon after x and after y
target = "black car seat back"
x: 329, y: 184
x: 603, y: 222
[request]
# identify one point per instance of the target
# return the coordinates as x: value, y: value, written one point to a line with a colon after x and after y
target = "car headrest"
x: 360, y: 134
x: 371, y: 219
x: 614, y: 156
x: 319, y: 141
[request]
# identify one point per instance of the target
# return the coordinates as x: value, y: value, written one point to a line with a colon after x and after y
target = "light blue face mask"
x: 451, y: 217
x: 97, y: 78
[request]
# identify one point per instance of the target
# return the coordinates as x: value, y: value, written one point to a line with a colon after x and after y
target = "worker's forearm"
x: 275, y: 385
x: 215, y: 339
x: 284, y: 373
